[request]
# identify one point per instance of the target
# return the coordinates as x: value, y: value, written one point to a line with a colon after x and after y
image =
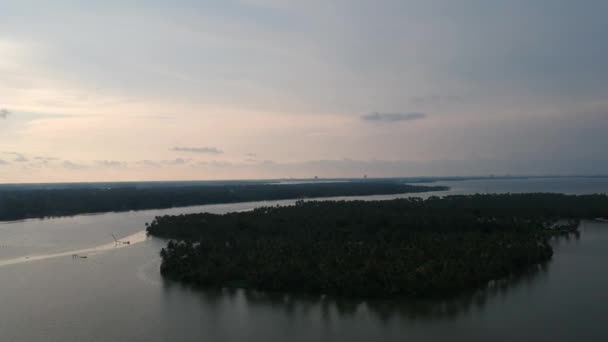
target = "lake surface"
x: 117, y: 294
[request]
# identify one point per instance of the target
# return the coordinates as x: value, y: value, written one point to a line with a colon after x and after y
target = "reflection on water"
x: 324, y: 307
x: 327, y: 308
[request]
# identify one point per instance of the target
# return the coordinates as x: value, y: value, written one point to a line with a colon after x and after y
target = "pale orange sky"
x: 113, y: 90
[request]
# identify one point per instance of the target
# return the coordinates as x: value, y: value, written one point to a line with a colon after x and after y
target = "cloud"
x: 4, y: 113
x: 392, y: 117
x: 161, y: 163
x: 148, y: 163
x: 216, y: 164
x: 111, y: 163
x: 207, y: 150
x: 18, y: 157
x: 176, y: 161
x: 45, y: 159
x: 73, y: 166
x: 3, y: 162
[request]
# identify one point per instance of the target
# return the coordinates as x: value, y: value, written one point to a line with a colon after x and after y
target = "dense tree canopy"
x: 30, y: 203
x: 409, y: 247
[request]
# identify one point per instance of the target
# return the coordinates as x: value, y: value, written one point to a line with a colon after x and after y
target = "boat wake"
x: 85, y: 252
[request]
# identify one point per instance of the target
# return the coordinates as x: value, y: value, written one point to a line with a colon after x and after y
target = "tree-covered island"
x: 406, y: 247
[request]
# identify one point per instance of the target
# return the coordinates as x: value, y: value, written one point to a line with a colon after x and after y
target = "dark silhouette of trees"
x: 31, y: 203
x: 409, y: 247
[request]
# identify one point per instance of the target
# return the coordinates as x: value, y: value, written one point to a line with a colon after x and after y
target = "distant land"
x: 181, y: 183
x: 71, y: 199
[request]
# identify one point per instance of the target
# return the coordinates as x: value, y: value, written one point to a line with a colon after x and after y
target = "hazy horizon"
x: 259, y: 89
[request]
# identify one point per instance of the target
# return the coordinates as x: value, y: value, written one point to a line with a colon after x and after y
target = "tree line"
x: 410, y: 247
x: 34, y: 203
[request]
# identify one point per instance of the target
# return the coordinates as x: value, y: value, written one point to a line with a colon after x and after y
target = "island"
x: 404, y: 247
x: 23, y: 203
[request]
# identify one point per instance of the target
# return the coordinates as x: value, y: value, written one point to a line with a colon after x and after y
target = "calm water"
x: 116, y: 294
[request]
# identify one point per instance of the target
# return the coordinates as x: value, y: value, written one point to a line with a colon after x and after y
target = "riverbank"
x: 24, y: 204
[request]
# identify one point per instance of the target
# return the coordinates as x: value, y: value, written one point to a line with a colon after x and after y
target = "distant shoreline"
x: 31, y: 204
x: 181, y: 183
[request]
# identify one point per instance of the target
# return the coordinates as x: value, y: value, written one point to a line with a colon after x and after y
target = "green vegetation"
x: 409, y: 247
x: 31, y: 203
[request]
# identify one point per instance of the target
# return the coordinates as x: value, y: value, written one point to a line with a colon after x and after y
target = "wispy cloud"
x: 392, y: 117
x: 204, y: 150
x: 147, y: 163
x: 42, y: 161
x: 162, y: 163
x: 176, y: 161
x: 19, y: 157
x: 72, y: 165
x: 44, y: 158
x: 111, y: 163
x: 216, y: 164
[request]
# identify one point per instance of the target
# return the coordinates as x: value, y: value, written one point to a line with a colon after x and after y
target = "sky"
x: 248, y: 89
